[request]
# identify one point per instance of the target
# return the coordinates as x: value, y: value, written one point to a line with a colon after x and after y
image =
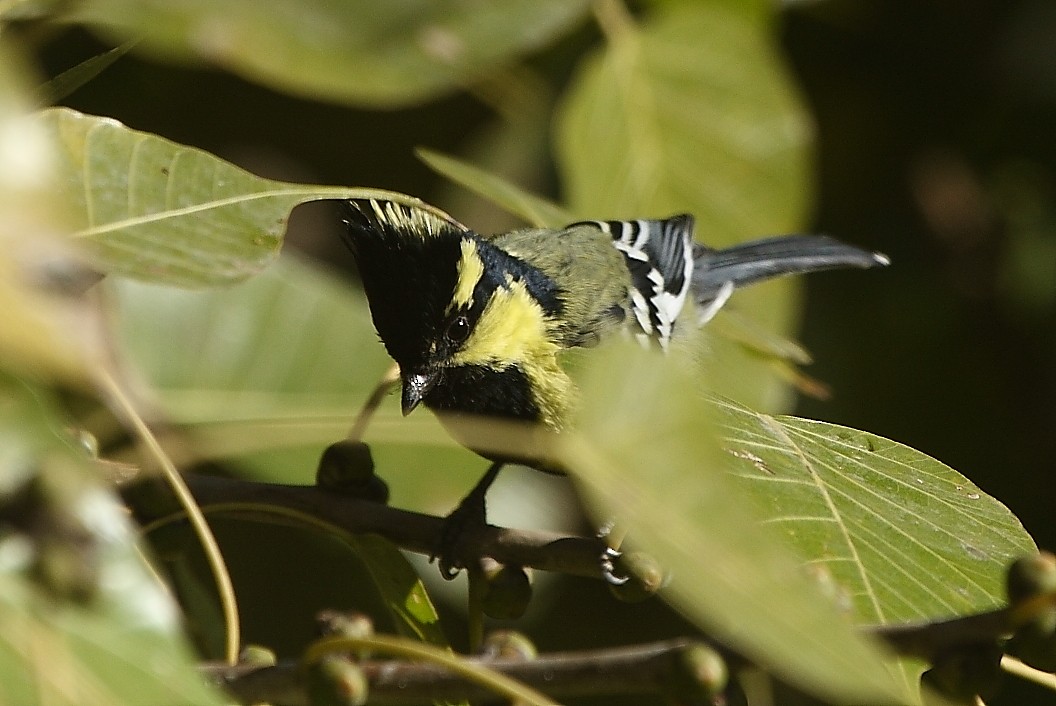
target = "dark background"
x: 934, y: 144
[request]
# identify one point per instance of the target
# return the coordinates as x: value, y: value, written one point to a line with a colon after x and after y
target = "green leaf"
x: 691, y: 111
x: 534, y: 209
x: 149, y: 208
x: 400, y: 587
x: 647, y: 456
x: 85, y: 621
x: 905, y: 536
x: 389, y: 54
x: 290, y: 343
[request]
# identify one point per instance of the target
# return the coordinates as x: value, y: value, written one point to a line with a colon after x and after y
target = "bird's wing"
x: 659, y: 256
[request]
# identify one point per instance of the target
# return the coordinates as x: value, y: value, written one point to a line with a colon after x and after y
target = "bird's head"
x: 454, y: 311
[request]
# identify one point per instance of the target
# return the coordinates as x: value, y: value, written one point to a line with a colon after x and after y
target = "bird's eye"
x: 458, y: 329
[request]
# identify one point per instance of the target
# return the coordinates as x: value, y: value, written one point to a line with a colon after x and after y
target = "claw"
x: 462, y: 521
x: 608, y: 567
x: 447, y: 570
x: 456, y: 526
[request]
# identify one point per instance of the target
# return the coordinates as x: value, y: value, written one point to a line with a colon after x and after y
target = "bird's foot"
x: 465, y: 521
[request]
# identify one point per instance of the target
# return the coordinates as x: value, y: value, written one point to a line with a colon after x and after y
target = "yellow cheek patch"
x: 470, y: 270
x: 512, y: 330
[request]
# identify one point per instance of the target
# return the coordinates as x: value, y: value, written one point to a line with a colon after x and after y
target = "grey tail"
x: 717, y: 272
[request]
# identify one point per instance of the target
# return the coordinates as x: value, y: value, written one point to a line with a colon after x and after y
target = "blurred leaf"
x: 537, y: 211
x: 647, y: 456
x: 290, y: 344
x: 1023, y: 194
x: 691, y: 111
x: 85, y: 621
x: 24, y: 150
x: 736, y: 327
x: 45, y: 331
x: 357, y: 51
x: 907, y: 537
x: 152, y: 209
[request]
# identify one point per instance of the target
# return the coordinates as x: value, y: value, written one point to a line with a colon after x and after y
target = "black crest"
x: 408, y: 263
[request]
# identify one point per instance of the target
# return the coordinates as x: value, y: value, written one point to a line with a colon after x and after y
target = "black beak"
x: 415, y: 387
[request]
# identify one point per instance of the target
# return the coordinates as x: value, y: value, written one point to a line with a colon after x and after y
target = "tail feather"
x: 764, y: 259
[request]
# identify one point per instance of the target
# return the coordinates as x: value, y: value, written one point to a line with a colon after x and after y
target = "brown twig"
x: 413, y: 531
x: 927, y: 640
x: 314, y: 506
x: 636, y: 669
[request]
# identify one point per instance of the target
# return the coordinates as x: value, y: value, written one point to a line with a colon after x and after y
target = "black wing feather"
x: 659, y: 258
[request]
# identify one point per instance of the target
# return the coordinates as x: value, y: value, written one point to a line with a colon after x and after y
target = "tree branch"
x: 624, y: 669
x: 413, y: 531
x: 637, y: 669
x: 546, y: 551
x: 927, y: 640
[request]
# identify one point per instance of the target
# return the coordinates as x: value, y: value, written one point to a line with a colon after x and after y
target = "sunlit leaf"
x: 690, y: 110
x: 905, y: 536
x: 85, y: 621
x: 647, y: 456
x: 359, y: 51
x: 156, y: 210
x: 400, y: 587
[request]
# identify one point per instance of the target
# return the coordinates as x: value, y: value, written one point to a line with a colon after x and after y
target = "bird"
x: 479, y: 324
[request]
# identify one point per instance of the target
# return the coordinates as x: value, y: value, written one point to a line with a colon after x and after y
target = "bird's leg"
x: 470, y: 515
